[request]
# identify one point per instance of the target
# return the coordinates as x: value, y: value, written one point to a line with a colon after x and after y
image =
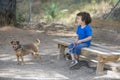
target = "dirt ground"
x: 49, y: 69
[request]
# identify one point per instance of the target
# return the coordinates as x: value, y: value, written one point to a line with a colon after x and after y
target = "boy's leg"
x: 78, y: 48
x: 77, y: 57
x: 77, y: 52
x: 71, y: 51
x: 74, y: 60
x: 72, y: 56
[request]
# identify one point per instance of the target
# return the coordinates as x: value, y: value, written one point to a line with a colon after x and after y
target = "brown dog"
x: 22, y: 50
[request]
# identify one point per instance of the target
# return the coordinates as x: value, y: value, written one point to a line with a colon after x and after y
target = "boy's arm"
x: 84, y: 40
x: 76, y: 38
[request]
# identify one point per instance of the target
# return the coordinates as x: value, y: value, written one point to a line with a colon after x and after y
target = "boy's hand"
x: 78, y: 41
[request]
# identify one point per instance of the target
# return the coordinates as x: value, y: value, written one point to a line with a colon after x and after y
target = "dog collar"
x: 20, y: 46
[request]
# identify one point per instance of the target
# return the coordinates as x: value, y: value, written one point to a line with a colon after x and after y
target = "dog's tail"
x: 37, y: 41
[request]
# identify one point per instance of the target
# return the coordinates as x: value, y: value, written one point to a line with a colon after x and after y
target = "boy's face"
x: 79, y: 20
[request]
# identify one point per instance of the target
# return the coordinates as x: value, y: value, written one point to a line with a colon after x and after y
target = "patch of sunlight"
x: 110, y: 75
x: 116, y: 53
x: 38, y: 31
x: 6, y: 57
x: 35, y: 74
x: 6, y: 28
x: 95, y: 61
x: 61, y: 34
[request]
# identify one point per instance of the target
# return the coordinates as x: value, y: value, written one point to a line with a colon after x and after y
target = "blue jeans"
x: 76, y: 48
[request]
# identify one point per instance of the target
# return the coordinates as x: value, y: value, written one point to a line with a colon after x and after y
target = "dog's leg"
x: 18, y: 62
x: 22, y: 60
x: 37, y: 56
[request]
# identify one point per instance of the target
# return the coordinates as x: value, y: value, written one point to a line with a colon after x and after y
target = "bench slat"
x: 101, y: 51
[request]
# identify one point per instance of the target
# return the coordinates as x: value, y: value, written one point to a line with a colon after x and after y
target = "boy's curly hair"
x: 85, y: 17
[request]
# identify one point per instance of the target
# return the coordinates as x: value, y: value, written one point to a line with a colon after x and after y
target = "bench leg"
x: 62, y: 52
x: 100, y: 66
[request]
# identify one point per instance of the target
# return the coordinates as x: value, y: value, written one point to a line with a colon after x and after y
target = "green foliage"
x: 22, y: 11
x: 53, y: 11
x: 20, y: 17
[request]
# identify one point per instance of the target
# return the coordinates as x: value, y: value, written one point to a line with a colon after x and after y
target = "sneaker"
x: 73, y: 63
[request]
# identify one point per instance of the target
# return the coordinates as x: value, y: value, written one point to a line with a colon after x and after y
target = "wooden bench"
x: 103, y: 53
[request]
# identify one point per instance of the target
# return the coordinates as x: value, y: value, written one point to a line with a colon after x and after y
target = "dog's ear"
x: 11, y: 42
x: 17, y: 42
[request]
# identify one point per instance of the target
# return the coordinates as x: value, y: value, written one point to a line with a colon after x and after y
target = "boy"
x: 84, y: 34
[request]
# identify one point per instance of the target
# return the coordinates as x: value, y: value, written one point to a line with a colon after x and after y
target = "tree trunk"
x: 7, y: 12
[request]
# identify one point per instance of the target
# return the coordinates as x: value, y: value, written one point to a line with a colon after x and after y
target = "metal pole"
x: 106, y: 17
x: 30, y: 10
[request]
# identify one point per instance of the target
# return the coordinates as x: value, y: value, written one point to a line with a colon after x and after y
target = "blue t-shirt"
x: 84, y: 33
